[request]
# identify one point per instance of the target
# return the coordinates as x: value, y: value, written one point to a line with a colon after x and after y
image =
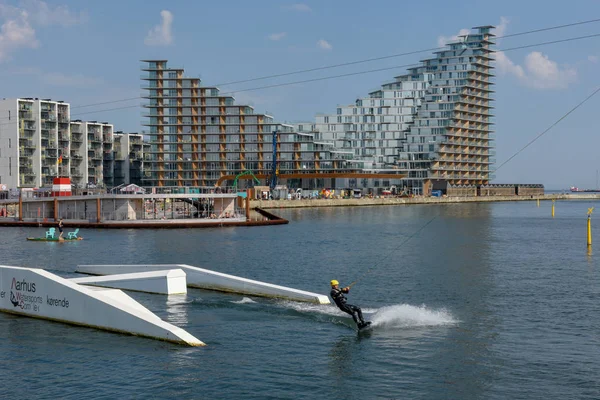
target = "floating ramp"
x: 41, y: 294
x: 160, y: 282
x: 212, y: 280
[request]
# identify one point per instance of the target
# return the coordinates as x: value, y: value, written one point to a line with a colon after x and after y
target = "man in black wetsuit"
x: 338, y: 297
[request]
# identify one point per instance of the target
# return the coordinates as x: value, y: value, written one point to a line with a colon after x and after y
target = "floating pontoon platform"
x: 41, y: 239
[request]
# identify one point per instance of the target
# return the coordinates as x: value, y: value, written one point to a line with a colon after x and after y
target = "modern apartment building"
x: 434, y: 123
x: 39, y: 142
x: 92, y: 159
x: 34, y: 141
x: 198, y: 135
x: 128, y: 158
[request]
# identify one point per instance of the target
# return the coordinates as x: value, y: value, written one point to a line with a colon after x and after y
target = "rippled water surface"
x: 486, y: 301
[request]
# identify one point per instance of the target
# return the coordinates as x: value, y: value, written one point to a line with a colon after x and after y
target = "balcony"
x: 136, y: 155
x: 26, y: 115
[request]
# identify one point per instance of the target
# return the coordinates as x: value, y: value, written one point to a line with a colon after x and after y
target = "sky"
x: 88, y: 52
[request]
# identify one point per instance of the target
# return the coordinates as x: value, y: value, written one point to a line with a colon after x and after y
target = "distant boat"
x: 575, y: 189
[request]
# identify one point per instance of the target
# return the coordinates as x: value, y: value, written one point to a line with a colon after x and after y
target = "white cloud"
x: 593, y: 59
x: 300, y: 7
x: 277, y: 36
x: 161, y: 35
x: 40, y: 13
x: 538, y: 70
x: 324, y: 44
x: 544, y: 73
x: 501, y: 27
x: 15, y: 34
x: 507, y: 67
x: 18, y: 23
x: 443, y: 40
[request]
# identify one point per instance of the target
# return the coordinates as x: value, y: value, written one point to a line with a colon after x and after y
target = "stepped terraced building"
x: 198, y: 135
x: 434, y: 123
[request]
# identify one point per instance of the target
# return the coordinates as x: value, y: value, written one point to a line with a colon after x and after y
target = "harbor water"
x: 468, y: 301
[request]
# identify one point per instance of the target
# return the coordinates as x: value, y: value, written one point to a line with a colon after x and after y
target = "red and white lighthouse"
x: 61, y: 187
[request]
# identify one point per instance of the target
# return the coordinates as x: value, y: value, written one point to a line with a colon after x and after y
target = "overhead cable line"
x: 362, y: 61
x: 391, y: 252
x: 400, y: 66
x: 397, y: 55
x: 549, y: 128
x: 336, y: 76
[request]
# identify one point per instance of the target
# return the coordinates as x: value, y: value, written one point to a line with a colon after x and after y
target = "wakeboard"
x: 365, y: 327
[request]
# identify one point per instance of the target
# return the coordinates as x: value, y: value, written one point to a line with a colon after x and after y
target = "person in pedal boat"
x: 338, y: 297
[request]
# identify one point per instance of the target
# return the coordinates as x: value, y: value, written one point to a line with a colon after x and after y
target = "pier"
x: 173, y: 208
x: 388, y: 201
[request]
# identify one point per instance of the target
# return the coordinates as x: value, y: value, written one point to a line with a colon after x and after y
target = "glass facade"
x: 432, y: 124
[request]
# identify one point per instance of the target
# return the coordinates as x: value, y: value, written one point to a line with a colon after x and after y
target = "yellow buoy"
x: 589, y: 226
x: 552, y: 208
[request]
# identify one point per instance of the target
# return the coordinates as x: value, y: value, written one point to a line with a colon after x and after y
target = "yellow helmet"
x: 334, y: 282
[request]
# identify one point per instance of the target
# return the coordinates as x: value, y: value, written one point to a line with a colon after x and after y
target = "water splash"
x: 405, y: 315
x: 389, y: 317
x: 244, y: 300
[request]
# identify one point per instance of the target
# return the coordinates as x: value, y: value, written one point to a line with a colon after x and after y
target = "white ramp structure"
x: 160, y: 282
x: 41, y: 294
x: 212, y: 280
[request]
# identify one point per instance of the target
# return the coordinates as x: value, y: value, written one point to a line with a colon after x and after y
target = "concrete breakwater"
x: 388, y: 201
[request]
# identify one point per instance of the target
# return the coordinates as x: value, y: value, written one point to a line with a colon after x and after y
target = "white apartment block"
x: 34, y: 134
x: 39, y: 142
x: 92, y: 154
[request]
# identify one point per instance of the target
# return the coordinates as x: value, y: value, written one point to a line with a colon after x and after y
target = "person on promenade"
x: 60, y: 229
x: 338, y: 297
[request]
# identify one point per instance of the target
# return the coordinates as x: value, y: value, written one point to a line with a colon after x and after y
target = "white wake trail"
x: 405, y: 315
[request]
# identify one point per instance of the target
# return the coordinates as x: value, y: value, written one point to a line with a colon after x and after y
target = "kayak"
x: 54, y: 239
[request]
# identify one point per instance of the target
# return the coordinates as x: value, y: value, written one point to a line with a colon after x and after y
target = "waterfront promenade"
x: 388, y: 201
